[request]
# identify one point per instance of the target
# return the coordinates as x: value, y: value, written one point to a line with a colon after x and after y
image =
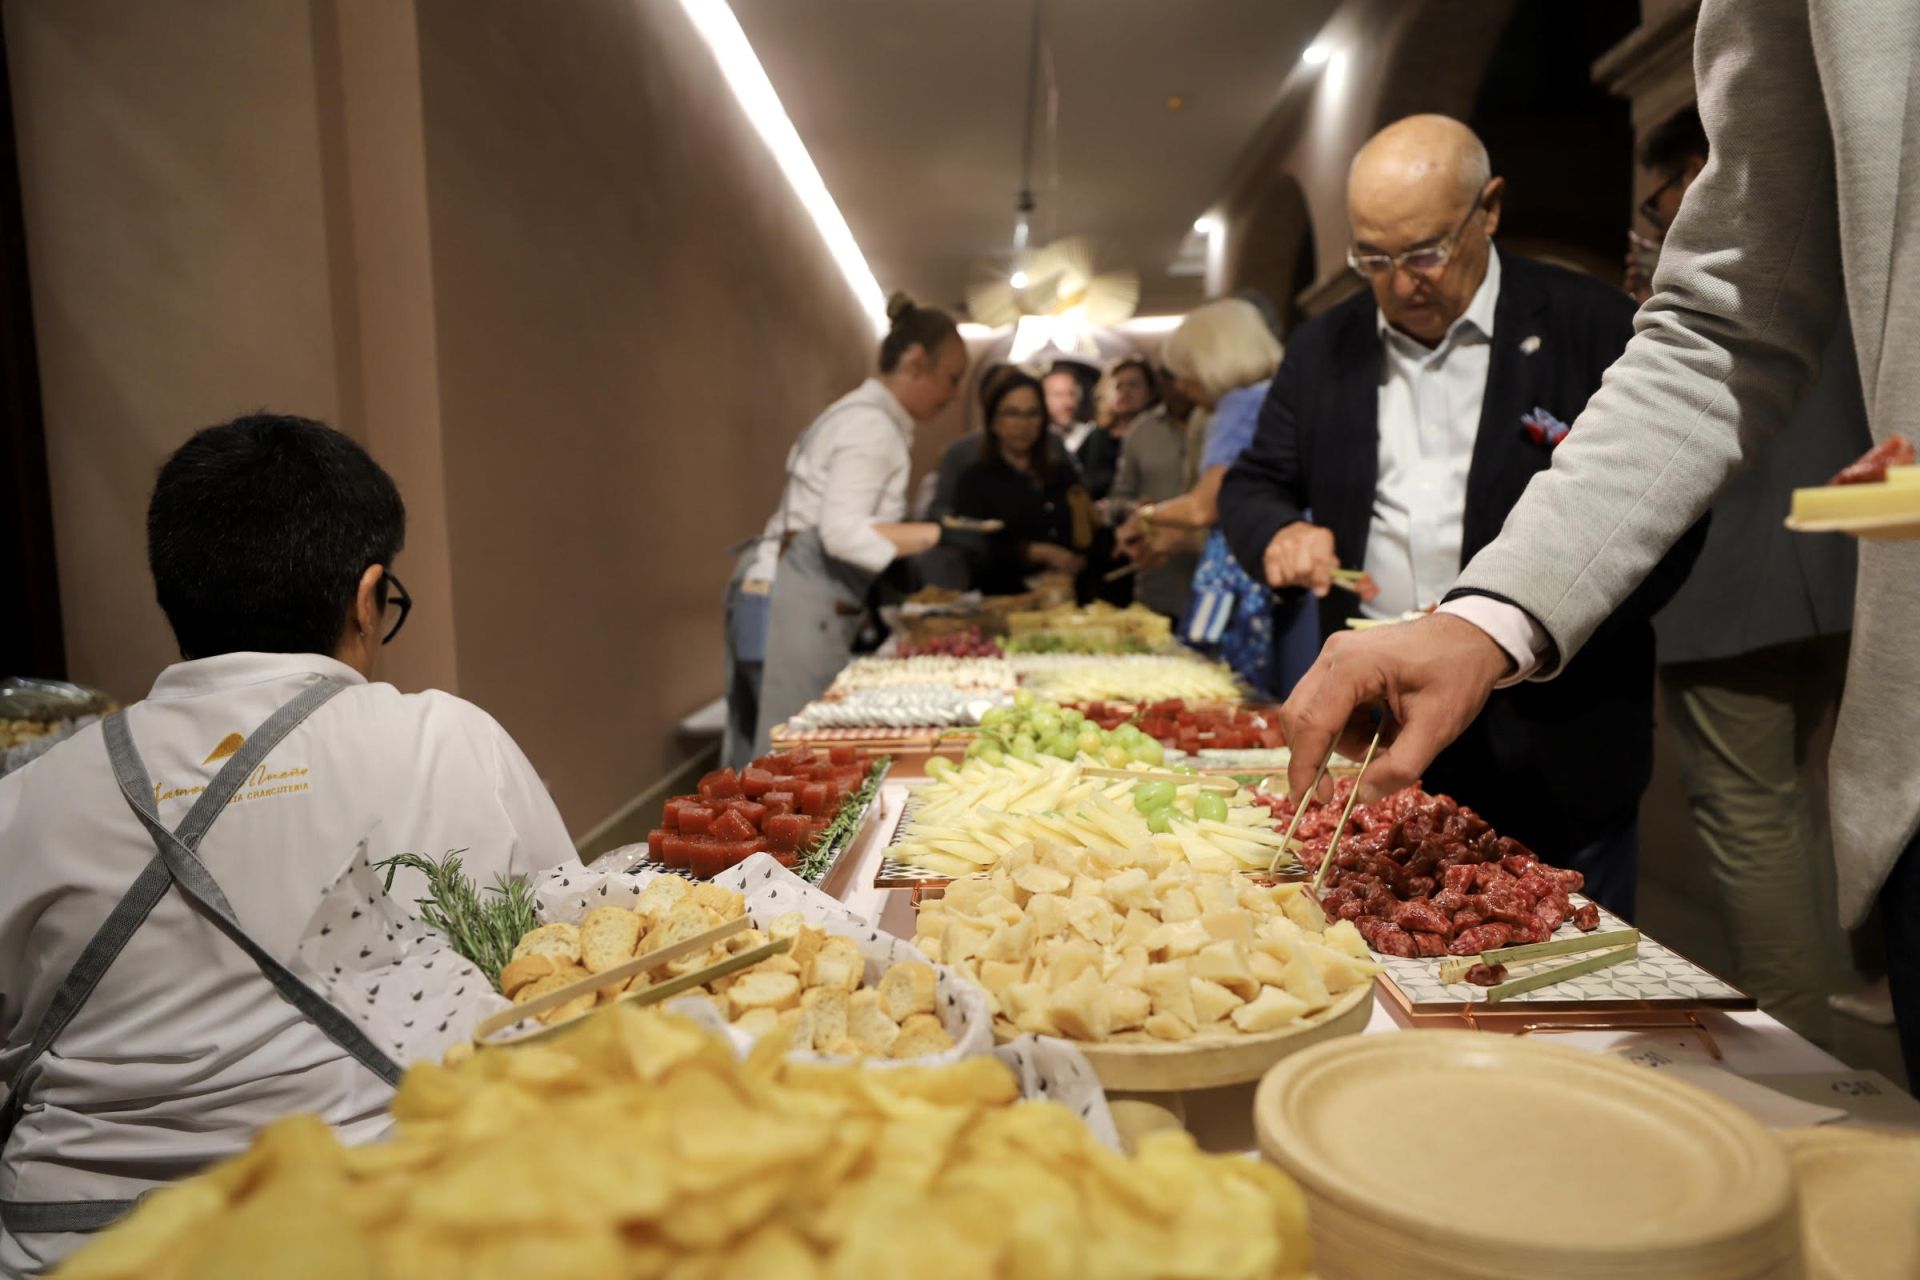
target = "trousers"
x: 1741, y: 728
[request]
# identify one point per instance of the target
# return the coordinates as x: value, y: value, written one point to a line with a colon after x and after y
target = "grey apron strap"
x: 176, y: 854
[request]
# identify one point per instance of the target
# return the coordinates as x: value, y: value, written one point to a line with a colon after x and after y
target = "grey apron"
x: 175, y: 863
x: 781, y: 675
x: 812, y: 622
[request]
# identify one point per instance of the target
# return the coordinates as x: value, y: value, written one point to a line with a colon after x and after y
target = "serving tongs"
x: 485, y: 1033
x: 1616, y: 946
x: 1333, y: 846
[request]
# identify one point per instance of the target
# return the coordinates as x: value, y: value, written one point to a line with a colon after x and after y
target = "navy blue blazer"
x: 1556, y: 765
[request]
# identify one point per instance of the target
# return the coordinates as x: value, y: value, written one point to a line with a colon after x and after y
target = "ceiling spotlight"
x: 1018, y: 280
x: 1316, y: 53
x: 1206, y: 225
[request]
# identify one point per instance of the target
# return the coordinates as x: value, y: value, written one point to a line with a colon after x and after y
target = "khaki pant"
x: 1742, y: 728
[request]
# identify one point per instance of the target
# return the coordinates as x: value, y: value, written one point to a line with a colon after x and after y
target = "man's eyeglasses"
x: 1424, y: 260
x: 397, y: 598
x: 1650, y: 207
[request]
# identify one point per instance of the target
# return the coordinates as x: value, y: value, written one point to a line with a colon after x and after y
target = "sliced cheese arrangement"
x: 967, y: 818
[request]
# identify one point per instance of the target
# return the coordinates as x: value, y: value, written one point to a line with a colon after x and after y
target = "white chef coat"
x: 184, y: 1050
x: 1429, y: 414
x: 846, y: 473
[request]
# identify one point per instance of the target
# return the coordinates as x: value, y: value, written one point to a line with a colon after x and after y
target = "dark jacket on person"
x: 1098, y: 458
x: 1556, y: 764
x: 989, y: 489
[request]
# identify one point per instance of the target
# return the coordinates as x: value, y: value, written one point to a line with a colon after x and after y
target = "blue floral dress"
x: 1229, y: 615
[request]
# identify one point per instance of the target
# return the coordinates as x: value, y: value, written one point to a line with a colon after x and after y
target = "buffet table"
x: 1749, y: 1043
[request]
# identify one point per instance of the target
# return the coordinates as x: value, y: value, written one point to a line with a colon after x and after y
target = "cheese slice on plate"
x: 1838, y: 507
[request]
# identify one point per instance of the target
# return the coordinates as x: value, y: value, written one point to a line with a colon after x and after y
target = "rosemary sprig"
x: 813, y: 863
x: 484, y: 926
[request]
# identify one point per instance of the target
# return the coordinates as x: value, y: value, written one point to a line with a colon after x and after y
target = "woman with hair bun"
x: 799, y: 589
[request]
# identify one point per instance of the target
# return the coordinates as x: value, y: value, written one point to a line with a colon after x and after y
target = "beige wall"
x: 634, y: 320
x: 176, y: 246
x: 531, y: 254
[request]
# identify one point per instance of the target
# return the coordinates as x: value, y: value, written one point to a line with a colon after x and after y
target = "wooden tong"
x: 1286, y: 841
x: 484, y: 1034
x: 1613, y: 947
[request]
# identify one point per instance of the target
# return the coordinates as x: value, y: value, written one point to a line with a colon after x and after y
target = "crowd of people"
x: 1267, y: 497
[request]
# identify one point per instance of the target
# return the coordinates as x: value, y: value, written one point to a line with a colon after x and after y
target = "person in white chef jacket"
x: 271, y: 541
x: 799, y: 590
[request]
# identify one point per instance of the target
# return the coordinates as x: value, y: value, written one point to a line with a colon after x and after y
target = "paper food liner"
x: 416, y: 997
x: 1047, y: 1069
x: 372, y: 956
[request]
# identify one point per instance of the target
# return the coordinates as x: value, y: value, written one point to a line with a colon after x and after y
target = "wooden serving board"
x: 1175, y: 1067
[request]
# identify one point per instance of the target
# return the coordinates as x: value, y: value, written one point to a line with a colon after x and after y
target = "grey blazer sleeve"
x: 1747, y: 291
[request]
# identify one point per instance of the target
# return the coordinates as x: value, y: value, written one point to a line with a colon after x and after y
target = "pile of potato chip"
x: 816, y: 988
x: 1116, y: 945
x: 635, y: 1144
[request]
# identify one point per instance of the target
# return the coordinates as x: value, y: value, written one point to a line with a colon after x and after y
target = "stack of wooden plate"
x: 1859, y: 1202
x: 1440, y: 1154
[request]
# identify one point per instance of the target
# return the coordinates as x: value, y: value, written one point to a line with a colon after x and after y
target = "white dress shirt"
x: 1429, y: 414
x: 1075, y: 434
x: 846, y: 473
x: 184, y: 1050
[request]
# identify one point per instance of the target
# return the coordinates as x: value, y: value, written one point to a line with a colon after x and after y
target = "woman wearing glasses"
x: 1038, y: 499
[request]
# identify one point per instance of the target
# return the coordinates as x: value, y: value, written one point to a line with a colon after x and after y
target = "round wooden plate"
x: 1175, y: 1066
x: 1460, y: 1153
x: 1859, y: 1202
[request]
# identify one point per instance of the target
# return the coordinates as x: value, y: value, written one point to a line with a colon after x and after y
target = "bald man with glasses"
x: 1408, y: 421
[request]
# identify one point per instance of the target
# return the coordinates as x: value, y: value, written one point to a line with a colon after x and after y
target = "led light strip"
x: 720, y: 29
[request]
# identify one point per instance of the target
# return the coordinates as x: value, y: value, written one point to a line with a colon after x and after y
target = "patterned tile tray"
x: 1658, y: 978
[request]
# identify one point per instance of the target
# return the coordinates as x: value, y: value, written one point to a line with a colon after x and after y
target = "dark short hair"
x: 1011, y: 379
x: 1674, y: 141
x: 1083, y: 380
x: 910, y: 326
x: 1146, y: 371
x: 258, y: 533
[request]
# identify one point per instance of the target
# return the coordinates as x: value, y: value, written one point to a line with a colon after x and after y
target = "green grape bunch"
x: 1033, y: 727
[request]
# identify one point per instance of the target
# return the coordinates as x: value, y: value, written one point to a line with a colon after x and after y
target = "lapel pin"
x: 1530, y: 344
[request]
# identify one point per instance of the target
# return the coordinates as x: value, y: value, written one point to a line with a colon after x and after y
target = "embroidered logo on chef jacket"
x: 260, y: 784
x: 228, y: 745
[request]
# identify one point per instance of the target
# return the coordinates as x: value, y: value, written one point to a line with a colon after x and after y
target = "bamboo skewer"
x: 1123, y: 571
x: 1287, y: 841
x: 1333, y: 845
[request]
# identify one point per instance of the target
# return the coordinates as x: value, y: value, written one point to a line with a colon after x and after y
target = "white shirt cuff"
x: 1508, y: 626
x: 862, y: 545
